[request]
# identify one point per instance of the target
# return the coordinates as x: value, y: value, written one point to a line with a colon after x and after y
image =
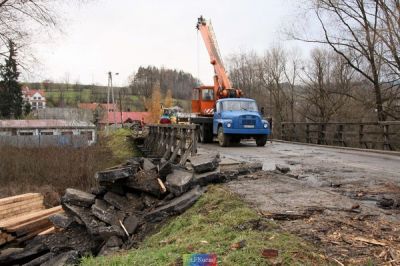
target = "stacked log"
x: 22, y: 217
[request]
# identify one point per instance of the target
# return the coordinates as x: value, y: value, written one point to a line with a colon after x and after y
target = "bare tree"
x: 326, y: 85
x: 350, y: 28
x: 272, y: 77
x: 243, y: 71
x: 18, y: 16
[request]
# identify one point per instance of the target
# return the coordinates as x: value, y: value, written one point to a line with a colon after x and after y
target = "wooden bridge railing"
x: 369, y: 135
x: 172, y: 140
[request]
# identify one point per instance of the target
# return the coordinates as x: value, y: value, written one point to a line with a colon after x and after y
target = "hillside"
x: 61, y: 94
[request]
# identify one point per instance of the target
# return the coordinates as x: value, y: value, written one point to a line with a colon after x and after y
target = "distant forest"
x: 179, y: 82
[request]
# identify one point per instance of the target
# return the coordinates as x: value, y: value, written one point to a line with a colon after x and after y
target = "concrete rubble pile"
x: 128, y: 202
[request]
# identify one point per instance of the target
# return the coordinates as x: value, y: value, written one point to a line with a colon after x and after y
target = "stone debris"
x: 131, y: 223
x: 128, y: 201
x: 176, y: 206
x: 282, y: 168
x: 205, y: 162
x: 113, y: 175
x: 179, y: 181
x: 61, y: 220
x: 207, y: 178
x: 78, y: 198
x: 148, y: 165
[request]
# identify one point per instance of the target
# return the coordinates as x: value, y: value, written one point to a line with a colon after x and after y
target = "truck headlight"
x: 266, y: 125
x: 229, y: 124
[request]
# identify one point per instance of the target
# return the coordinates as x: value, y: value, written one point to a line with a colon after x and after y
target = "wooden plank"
x: 21, y: 210
x: 21, y: 203
x: 48, y: 231
x: 29, y: 217
x: 18, y: 198
x: 28, y: 206
x: 31, y: 227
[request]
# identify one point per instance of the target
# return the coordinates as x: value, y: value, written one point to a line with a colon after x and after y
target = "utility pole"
x: 110, y: 90
x: 120, y: 106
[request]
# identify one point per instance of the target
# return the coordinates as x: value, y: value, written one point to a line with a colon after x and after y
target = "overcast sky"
x: 121, y: 35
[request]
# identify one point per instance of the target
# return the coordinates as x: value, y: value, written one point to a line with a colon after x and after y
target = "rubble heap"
x: 129, y: 200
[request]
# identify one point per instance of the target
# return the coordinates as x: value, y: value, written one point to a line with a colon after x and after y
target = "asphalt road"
x: 312, y: 161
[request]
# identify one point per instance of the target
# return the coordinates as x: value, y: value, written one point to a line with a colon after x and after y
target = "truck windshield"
x: 239, y: 106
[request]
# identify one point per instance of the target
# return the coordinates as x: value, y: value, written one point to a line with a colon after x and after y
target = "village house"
x: 36, y: 98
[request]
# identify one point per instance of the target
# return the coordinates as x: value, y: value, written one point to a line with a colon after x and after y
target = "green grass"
x: 120, y: 146
x: 71, y: 97
x: 212, y: 225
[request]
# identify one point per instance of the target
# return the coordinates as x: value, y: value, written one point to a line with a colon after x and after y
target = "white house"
x: 36, y: 98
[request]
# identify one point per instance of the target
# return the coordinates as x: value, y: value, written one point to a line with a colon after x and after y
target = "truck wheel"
x: 223, y: 139
x: 261, y: 140
x: 205, y: 134
x: 201, y: 134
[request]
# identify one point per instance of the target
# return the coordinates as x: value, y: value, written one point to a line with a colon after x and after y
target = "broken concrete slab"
x: 228, y: 174
x: 148, y: 200
x: 164, y: 169
x: 85, y: 217
x: 283, y: 168
x: 78, y: 198
x: 112, y: 245
x: 106, y: 213
x: 105, y: 232
x: 175, y: 206
x: 148, y: 165
x: 75, y: 237
x: 67, y: 258
x: 248, y: 168
x: 40, y: 260
x: 116, y: 200
x: 18, y: 257
x: 112, y: 175
x: 145, y: 181
x: 131, y: 223
x: 135, y: 202
x: 98, y: 191
x: 179, y: 181
x: 61, y: 220
x: 205, y: 163
x: 209, y: 177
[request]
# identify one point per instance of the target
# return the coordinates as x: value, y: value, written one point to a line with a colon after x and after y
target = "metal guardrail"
x: 171, y: 140
x: 370, y: 135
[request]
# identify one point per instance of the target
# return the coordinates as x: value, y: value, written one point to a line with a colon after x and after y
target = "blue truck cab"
x: 238, y: 118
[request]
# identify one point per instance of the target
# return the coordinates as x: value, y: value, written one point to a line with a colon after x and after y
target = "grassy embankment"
x: 53, y: 169
x: 217, y: 221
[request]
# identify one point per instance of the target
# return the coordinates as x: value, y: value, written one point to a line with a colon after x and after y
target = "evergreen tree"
x: 11, y: 102
x: 27, y: 108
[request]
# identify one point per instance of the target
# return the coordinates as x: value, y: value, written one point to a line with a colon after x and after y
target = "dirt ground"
x: 347, y: 203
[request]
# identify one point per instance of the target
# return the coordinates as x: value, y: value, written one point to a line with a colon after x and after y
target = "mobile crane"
x: 220, y: 109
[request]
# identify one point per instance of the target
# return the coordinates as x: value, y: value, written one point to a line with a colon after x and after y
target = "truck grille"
x: 248, y: 120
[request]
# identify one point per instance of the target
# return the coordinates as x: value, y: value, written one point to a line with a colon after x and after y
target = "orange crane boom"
x: 207, y: 32
x: 205, y: 97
